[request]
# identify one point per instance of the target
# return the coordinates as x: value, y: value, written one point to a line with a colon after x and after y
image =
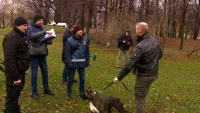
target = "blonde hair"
x: 143, y: 26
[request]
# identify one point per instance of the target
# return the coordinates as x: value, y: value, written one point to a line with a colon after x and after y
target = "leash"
x: 122, y: 84
x: 108, y: 85
x: 127, y: 88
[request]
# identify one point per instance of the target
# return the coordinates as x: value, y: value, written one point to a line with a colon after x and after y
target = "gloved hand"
x: 70, y: 67
x: 87, y: 64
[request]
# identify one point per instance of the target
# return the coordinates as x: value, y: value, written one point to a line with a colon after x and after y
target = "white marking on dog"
x: 93, y: 108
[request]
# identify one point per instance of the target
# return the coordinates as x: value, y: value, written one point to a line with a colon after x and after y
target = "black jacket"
x: 125, y: 46
x: 66, y: 35
x: 144, y: 59
x: 16, y: 56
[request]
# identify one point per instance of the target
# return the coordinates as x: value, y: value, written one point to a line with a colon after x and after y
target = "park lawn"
x: 175, y: 91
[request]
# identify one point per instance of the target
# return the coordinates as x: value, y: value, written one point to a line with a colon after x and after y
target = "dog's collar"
x: 94, y: 96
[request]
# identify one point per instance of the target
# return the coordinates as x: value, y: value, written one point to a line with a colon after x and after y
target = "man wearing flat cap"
x: 16, y: 60
x: 77, y: 57
x: 36, y: 33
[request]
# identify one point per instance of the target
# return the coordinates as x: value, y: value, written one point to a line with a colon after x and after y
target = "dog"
x: 101, y: 104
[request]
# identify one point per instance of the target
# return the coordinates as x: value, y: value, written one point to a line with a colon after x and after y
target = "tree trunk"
x: 75, y: 14
x: 11, y: 18
x: 196, y: 32
x: 90, y: 15
x: 46, y: 16
x: 105, y: 16
x: 197, y: 23
x: 181, y: 34
x: 168, y: 30
x: 3, y: 19
x: 57, y: 17
x: 186, y: 32
x: 82, y: 18
x: 182, y: 27
x: 158, y: 18
x: 174, y: 19
x: 95, y: 21
x: 141, y: 15
x: 161, y: 33
x: 120, y: 6
x: 147, y: 10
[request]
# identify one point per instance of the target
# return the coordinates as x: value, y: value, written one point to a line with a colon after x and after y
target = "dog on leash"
x: 101, y: 104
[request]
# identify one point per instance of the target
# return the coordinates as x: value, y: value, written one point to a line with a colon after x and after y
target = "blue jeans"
x: 42, y: 62
x: 65, y: 74
x: 81, y: 72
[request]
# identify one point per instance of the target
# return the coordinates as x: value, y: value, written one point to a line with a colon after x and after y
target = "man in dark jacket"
x: 144, y: 59
x: 16, y: 60
x: 124, y: 43
x: 36, y: 33
x: 77, y: 56
x: 68, y: 33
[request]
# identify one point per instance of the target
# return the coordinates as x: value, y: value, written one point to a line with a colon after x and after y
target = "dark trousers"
x: 65, y: 74
x: 141, y: 89
x: 12, y: 96
x: 34, y: 62
x: 81, y: 72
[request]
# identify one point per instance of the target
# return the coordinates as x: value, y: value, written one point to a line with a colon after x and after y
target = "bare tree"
x: 91, y: 6
x: 197, y: 21
x: 184, y: 7
x: 2, y: 14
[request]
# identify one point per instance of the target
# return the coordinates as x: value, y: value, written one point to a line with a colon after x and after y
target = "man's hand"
x: 49, y: 41
x: 17, y: 82
x: 115, y: 79
x: 48, y: 32
x: 124, y: 41
x: 26, y: 72
x: 70, y: 67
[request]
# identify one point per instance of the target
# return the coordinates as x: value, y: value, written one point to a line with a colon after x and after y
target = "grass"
x: 175, y: 91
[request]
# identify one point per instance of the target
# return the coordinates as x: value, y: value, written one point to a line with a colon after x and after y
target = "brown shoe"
x: 68, y: 97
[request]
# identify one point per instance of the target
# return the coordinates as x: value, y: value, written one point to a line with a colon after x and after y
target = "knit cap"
x: 20, y: 21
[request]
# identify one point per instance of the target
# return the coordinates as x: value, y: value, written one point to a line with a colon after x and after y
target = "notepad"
x: 49, y: 36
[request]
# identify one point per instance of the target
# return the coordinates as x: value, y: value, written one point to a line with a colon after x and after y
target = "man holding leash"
x: 144, y: 60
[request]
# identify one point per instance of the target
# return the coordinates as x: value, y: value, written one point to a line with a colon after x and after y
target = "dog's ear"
x: 89, y: 90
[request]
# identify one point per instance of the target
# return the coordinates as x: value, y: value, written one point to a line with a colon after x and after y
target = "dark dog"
x: 101, y: 104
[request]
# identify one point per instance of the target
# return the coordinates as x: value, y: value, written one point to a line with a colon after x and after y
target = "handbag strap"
x: 76, y: 46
